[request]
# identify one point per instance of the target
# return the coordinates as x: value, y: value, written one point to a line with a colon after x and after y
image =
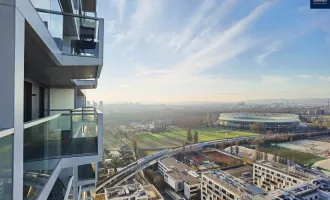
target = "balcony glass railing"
x: 73, y: 34
x: 6, y: 164
x: 49, y: 139
x: 86, y: 172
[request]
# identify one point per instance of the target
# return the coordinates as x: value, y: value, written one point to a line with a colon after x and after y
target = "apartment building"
x: 180, y: 177
x: 133, y: 191
x: 318, y: 189
x: 51, y: 52
x: 272, y: 175
x: 220, y: 185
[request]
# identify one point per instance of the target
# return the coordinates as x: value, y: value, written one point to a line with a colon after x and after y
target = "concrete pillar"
x: 12, y: 38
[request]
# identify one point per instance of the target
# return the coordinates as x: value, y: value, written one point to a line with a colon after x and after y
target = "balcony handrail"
x: 40, y: 121
x: 66, y: 14
x: 6, y: 132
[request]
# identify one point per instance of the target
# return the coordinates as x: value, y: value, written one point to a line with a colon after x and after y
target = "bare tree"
x: 196, y: 137
x: 189, y: 136
x: 236, y: 149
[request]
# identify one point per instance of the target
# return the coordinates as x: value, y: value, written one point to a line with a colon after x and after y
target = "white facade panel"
x: 61, y: 98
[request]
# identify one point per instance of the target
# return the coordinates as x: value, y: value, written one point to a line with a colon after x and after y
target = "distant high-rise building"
x: 101, y: 106
x: 95, y: 104
x: 88, y: 103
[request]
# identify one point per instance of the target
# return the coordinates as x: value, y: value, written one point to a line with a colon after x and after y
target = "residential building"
x: 272, y: 175
x: 133, y: 191
x: 51, y: 52
x: 318, y: 189
x: 221, y: 185
x: 180, y: 177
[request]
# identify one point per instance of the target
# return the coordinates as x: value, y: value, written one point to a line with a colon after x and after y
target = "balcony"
x: 51, y: 140
x: 73, y: 34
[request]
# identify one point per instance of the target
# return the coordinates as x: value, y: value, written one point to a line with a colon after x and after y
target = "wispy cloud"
x: 306, y: 76
x: 270, y: 49
x: 121, y: 8
x: 273, y: 79
x: 226, y: 45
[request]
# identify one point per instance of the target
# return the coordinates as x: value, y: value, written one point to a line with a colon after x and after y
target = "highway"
x: 142, y: 163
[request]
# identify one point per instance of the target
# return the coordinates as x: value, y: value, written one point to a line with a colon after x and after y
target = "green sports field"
x: 176, y: 136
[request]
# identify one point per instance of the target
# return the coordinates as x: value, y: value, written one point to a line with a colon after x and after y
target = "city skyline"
x: 169, y: 51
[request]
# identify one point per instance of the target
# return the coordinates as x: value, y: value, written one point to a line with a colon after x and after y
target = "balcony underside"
x: 39, y: 66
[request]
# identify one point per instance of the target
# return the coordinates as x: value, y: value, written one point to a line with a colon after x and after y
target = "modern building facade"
x: 271, y: 121
x: 180, y: 177
x: 220, y: 185
x: 270, y: 175
x: 51, y: 52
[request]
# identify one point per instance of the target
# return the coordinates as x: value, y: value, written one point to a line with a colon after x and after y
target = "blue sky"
x: 159, y: 51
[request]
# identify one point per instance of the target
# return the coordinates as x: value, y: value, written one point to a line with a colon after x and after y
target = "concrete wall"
x: 61, y: 98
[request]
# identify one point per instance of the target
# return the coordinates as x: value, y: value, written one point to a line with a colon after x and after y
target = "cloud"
x: 270, y: 49
x: 121, y: 8
x: 306, y: 76
x: 110, y: 26
x: 273, y: 79
x: 225, y: 45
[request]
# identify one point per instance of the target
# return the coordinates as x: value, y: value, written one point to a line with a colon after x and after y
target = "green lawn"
x: 176, y: 136
x: 304, y: 159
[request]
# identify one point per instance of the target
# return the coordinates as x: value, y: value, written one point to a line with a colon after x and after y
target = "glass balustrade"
x: 46, y: 141
x: 6, y: 164
x: 74, y: 35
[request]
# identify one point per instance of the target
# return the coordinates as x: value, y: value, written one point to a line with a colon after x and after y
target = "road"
x: 142, y: 163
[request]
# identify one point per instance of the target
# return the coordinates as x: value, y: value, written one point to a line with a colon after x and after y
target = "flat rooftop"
x: 179, y: 171
x: 135, y: 190
x: 239, y: 171
x: 233, y: 184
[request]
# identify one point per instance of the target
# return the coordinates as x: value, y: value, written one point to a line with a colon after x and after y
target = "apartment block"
x: 220, y: 185
x: 50, y: 142
x: 272, y: 175
x: 318, y: 189
x: 180, y: 177
x: 132, y: 191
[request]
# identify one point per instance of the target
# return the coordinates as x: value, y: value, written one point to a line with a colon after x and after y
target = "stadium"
x: 271, y: 121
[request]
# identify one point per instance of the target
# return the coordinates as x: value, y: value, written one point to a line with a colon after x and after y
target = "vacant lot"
x: 221, y: 158
x: 301, y: 158
x: 314, y: 147
x: 174, y: 137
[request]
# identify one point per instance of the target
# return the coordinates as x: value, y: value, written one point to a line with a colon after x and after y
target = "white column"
x: 12, y: 30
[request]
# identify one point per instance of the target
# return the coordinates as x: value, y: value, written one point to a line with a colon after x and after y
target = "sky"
x: 167, y: 51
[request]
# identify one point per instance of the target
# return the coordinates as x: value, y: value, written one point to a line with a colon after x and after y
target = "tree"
x: 134, y: 144
x: 231, y: 149
x: 257, y: 127
x: 269, y: 132
x: 196, y: 137
x: 266, y: 156
x: 189, y: 136
x: 236, y: 149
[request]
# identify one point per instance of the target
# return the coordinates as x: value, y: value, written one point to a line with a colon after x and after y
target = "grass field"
x: 301, y: 158
x: 176, y: 136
